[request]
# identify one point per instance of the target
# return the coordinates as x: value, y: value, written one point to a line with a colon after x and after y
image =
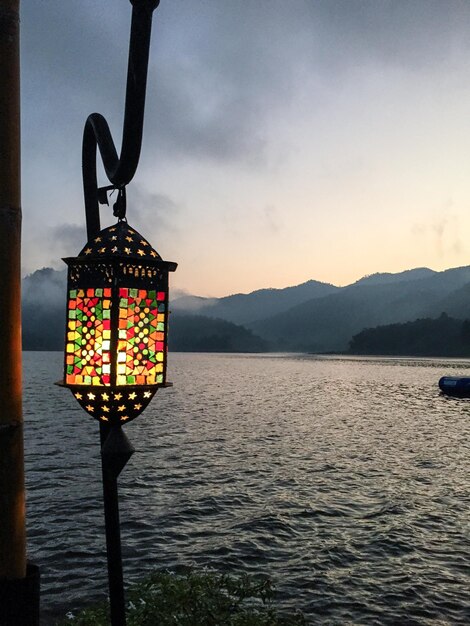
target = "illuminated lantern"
x: 117, y: 324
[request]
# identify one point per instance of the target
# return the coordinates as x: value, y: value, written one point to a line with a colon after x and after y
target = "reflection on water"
x: 345, y: 480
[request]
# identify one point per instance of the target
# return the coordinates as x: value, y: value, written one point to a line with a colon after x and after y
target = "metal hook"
x: 119, y: 170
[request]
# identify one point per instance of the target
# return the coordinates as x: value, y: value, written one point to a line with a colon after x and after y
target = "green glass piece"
x: 99, y: 293
x: 73, y: 294
x: 87, y: 380
x: 133, y: 293
x: 69, y: 369
x: 159, y: 378
x: 131, y: 379
x: 107, y: 314
x: 161, y: 308
x: 123, y: 303
x: 160, y: 326
x: 72, y: 314
x: 152, y: 294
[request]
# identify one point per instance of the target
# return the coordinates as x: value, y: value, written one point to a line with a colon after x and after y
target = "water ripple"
x: 345, y: 480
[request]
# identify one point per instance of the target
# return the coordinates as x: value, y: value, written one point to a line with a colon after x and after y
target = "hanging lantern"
x: 117, y: 324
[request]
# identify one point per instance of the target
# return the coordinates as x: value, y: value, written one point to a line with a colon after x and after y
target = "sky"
x: 283, y: 140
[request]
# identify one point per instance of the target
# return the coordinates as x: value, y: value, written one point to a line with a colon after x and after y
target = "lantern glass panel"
x: 141, y: 340
x: 88, y: 359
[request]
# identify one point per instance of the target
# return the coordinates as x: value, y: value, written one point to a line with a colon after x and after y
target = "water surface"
x: 345, y: 480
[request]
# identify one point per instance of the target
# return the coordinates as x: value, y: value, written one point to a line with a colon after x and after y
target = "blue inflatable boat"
x: 455, y: 386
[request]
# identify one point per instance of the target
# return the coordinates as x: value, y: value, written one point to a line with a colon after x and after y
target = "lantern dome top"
x: 120, y: 240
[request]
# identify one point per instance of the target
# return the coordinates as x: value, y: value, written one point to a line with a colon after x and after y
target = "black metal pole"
x: 116, y: 450
x: 115, y: 447
x: 117, y: 602
x: 113, y: 547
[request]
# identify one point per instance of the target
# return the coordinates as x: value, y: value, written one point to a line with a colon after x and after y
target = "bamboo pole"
x: 12, y: 492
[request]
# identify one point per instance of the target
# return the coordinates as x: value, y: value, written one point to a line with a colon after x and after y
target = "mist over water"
x: 344, y: 480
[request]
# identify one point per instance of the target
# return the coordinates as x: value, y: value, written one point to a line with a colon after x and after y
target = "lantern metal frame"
x: 109, y: 279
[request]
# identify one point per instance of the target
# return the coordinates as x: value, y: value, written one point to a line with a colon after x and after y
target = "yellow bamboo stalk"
x: 12, y: 492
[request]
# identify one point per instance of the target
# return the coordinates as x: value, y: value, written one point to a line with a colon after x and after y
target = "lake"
x: 346, y: 480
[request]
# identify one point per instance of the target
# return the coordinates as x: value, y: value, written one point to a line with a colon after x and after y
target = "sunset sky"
x: 283, y: 140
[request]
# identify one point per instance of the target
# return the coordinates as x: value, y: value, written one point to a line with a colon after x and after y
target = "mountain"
x: 195, y: 333
x: 313, y: 316
x: 192, y: 304
x: 386, y: 277
x: 327, y: 324
x: 242, y: 308
x: 43, y: 310
x: 43, y: 313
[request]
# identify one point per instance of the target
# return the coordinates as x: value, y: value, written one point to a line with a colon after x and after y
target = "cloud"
x: 220, y: 73
x: 271, y: 219
x: 67, y: 239
x: 443, y: 231
x: 154, y: 212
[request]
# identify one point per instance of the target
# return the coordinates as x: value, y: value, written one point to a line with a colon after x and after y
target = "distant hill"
x: 313, y: 316
x: 444, y: 336
x: 241, y: 308
x: 195, y: 333
x: 328, y: 323
x: 43, y: 310
x: 192, y: 304
x: 386, y: 277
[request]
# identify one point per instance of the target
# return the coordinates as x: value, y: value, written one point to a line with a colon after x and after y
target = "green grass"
x: 195, y: 599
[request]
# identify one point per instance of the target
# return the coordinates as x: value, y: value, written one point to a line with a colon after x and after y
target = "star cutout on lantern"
x: 153, y: 253
x: 97, y: 239
x: 127, y: 250
x: 78, y: 396
x: 144, y: 243
x: 129, y: 238
x: 102, y: 250
x: 117, y: 396
x: 91, y: 396
x: 114, y: 249
x: 88, y: 251
x: 113, y: 238
x: 141, y: 252
x: 106, y: 409
x: 124, y: 418
x: 104, y: 418
x: 132, y: 396
x: 137, y: 407
x: 112, y: 230
x: 147, y: 394
x: 122, y: 407
x: 90, y: 408
x: 105, y: 396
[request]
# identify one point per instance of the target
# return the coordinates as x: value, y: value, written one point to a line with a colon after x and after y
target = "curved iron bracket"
x: 119, y: 170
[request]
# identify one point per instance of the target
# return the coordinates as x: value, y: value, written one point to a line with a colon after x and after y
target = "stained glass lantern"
x: 117, y: 324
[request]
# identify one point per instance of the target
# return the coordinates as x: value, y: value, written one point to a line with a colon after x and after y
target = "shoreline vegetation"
x: 195, y: 598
